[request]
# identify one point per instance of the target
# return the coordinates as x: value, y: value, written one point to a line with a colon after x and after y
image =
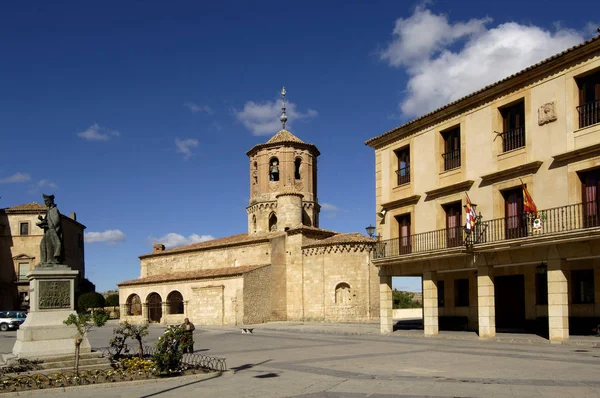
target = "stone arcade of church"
x: 285, y: 268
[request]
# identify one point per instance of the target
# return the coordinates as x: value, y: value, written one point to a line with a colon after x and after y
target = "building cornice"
x: 448, y: 190
x: 578, y: 154
x: 517, y: 171
x: 411, y: 200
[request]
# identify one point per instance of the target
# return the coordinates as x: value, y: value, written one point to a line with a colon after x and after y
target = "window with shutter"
x: 405, y: 245
x: 591, y: 205
x: 589, y: 99
x: 403, y: 172
x: 453, y: 224
x: 515, y: 226
x: 513, y: 125
x: 451, y: 153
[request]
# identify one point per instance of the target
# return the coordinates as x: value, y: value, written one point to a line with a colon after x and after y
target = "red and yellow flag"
x: 528, y: 203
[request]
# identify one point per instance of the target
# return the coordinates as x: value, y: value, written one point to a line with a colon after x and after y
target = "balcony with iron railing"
x: 403, y: 175
x: 554, y: 221
x: 513, y: 139
x: 589, y: 114
x: 451, y: 159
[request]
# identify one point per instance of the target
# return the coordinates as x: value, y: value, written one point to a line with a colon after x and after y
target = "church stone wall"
x: 294, y: 276
x: 258, y: 253
x: 325, y: 268
x: 278, y: 288
x: 256, y: 296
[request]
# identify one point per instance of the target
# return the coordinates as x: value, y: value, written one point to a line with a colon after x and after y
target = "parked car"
x: 11, y: 319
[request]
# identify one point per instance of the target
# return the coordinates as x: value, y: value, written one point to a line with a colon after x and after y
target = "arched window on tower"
x: 297, y: 164
x: 255, y: 173
x: 342, y: 293
x: 274, y: 169
x: 272, y: 222
x: 254, y: 222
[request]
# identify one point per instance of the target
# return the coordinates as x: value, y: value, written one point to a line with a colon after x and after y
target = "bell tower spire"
x: 283, y: 182
x: 283, y: 116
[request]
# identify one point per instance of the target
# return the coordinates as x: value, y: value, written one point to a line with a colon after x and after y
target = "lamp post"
x: 370, y: 230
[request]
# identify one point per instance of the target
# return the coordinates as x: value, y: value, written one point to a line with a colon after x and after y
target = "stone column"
x: 430, y: 303
x: 145, y: 313
x: 558, y: 301
x: 165, y: 307
x: 486, y: 313
x: 385, y: 304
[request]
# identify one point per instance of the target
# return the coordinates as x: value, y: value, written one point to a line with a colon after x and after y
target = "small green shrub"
x: 112, y: 300
x: 169, y: 350
x: 90, y: 300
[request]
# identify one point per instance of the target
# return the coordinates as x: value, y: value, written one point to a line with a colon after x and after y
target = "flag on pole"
x: 470, y: 213
x: 528, y: 203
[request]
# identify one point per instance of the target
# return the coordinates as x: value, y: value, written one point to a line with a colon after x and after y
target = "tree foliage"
x: 404, y: 300
x: 124, y: 332
x: 90, y: 300
x: 83, y: 323
x: 112, y: 300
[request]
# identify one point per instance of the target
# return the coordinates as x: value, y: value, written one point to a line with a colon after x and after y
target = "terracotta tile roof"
x: 233, y: 240
x: 305, y: 228
x: 352, y: 237
x: 27, y: 207
x: 284, y: 136
x: 192, y: 275
x: 453, y: 103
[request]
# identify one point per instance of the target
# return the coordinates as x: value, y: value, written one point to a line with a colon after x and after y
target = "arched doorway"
x: 154, y: 307
x: 175, y: 302
x: 134, y: 305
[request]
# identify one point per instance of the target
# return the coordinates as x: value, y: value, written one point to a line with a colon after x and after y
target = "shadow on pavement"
x: 180, y: 386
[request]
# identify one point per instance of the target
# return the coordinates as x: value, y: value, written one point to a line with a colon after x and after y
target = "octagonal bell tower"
x: 283, y: 183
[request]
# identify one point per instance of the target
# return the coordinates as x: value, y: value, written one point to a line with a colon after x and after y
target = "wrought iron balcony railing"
x: 513, y: 139
x: 589, y: 114
x: 403, y: 175
x: 527, y: 225
x: 451, y: 160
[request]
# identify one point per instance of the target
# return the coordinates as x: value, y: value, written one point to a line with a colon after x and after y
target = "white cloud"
x: 97, y: 133
x: 445, y: 60
x: 110, y: 236
x: 262, y: 118
x: 17, y: 177
x: 46, y: 184
x: 185, y: 146
x: 329, y: 207
x: 172, y: 239
x: 195, y: 108
x: 42, y: 185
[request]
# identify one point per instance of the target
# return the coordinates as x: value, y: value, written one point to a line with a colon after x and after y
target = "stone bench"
x: 247, y: 330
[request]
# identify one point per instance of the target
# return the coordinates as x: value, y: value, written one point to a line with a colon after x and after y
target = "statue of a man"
x: 51, y: 245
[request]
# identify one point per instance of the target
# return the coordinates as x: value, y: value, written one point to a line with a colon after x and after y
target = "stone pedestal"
x: 52, y: 300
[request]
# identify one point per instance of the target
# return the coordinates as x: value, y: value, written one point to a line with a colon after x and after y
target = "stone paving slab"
x: 350, y: 360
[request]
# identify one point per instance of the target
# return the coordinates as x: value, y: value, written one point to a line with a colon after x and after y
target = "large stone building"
x: 537, y: 131
x: 20, y: 251
x: 284, y: 268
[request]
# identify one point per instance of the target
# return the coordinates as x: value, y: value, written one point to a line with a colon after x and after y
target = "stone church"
x: 284, y: 268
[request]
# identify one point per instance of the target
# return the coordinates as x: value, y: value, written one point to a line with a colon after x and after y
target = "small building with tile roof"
x: 20, y: 251
x: 284, y: 268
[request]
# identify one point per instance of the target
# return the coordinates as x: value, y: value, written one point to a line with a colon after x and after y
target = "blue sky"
x: 138, y: 115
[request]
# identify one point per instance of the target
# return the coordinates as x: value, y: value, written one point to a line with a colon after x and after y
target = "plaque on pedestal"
x: 52, y: 300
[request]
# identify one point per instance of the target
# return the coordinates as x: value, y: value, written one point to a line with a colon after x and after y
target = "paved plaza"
x: 354, y: 360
